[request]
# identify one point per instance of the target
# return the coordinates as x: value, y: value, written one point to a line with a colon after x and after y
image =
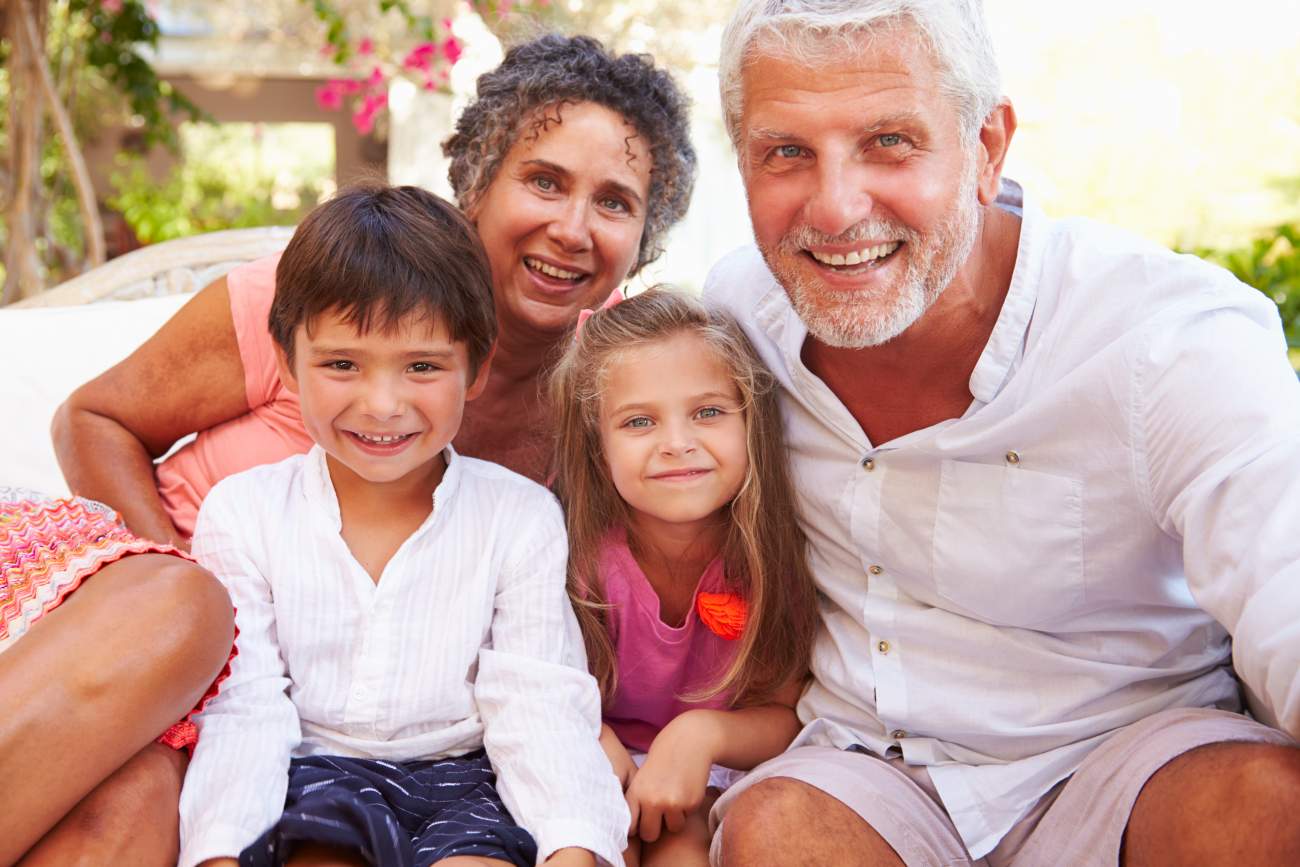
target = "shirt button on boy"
x: 876, y: 570
x: 883, y: 646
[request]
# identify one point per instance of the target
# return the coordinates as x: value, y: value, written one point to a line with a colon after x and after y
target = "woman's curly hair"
x: 558, y: 69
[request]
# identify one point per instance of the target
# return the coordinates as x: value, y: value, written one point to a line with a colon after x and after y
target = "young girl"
x: 686, y: 561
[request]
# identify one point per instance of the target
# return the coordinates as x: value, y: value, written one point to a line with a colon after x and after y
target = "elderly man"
x: 1048, y: 471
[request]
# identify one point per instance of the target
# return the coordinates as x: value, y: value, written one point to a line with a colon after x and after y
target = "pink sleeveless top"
x: 657, y: 662
x: 270, y: 431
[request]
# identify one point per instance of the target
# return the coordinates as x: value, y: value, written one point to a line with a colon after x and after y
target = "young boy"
x: 404, y: 629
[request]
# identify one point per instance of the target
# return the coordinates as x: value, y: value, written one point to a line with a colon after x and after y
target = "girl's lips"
x: 680, y: 475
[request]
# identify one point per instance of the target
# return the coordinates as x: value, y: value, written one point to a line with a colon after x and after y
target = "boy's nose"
x: 382, y: 401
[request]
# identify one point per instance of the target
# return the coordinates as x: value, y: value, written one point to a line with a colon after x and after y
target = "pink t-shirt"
x: 657, y: 662
x: 272, y: 428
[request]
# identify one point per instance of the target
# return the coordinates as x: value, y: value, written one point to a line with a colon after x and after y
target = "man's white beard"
x: 856, y: 320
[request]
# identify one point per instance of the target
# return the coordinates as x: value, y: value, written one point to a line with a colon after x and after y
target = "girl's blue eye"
x: 639, y: 421
x: 709, y: 412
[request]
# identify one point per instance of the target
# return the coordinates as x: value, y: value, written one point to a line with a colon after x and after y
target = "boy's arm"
x: 236, y: 783
x: 541, y: 717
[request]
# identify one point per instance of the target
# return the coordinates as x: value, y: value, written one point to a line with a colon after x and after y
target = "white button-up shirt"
x: 468, y: 640
x: 1001, y: 591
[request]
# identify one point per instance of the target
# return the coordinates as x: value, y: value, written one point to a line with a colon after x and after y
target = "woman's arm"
x: 188, y: 377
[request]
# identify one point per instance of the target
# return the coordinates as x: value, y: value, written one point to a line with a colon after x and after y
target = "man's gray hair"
x: 813, y: 32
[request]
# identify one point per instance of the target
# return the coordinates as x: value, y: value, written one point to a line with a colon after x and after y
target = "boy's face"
x: 382, y: 404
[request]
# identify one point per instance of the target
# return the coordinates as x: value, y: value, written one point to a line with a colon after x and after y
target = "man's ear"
x: 285, y: 368
x: 481, y: 377
x: 995, y: 139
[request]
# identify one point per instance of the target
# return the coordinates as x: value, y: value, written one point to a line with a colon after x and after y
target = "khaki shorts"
x: 1080, y: 822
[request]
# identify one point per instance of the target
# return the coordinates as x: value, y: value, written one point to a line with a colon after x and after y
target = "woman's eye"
x: 616, y: 205
x: 544, y: 183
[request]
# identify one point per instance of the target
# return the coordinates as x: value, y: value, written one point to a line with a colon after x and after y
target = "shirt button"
x: 882, y: 646
x: 868, y: 464
x: 1013, y: 458
x: 876, y: 570
x: 898, y: 734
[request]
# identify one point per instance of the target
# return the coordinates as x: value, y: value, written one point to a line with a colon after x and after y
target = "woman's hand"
x: 671, y: 784
x: 571, y: 857
x: 619, y: 758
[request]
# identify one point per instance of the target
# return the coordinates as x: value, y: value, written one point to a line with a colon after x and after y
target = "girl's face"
x: 562, y: 219
x: 673, y: 431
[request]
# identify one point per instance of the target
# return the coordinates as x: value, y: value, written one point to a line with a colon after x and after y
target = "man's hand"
x: 671, y: 784
x: 571, y: 857
x: 619, y: 759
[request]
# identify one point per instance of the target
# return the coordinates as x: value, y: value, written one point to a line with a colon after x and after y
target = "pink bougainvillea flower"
x: 419, y: 57
x: 349, y: 85
x: 376, y: 78
x: 364, y: 117
x: 451, y: 49
x: 114, y: 6
x: 446, y: 24
x: 366, y: 46
x: 329, y: 96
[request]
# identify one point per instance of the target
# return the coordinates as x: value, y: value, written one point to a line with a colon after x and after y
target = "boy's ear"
x: 481, y: 377
x: 285, y: 368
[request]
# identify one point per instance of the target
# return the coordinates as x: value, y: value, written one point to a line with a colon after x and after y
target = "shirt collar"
x: 776, y: 316
x: 319, y: 489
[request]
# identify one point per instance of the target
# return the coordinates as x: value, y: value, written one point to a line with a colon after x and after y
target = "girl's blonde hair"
x: 764, y: 549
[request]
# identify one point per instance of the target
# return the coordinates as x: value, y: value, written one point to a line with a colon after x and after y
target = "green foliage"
x: 1270, y: 263
x: 234, y: 176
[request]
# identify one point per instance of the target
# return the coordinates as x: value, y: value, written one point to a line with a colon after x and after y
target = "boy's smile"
x: 382, y: 404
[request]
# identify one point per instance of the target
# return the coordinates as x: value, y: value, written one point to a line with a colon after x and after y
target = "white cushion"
x: 45, y: 353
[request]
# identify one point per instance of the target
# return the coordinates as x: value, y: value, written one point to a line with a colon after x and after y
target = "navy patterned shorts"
x: 407, y: 814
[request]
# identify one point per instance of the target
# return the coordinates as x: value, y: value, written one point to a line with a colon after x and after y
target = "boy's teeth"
x: 550, y: 270
x: 856, y: 257
x: 383, y: 440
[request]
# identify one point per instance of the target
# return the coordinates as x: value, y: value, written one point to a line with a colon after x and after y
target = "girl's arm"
x: 671, y: 783
x: 619, y: 758
x: 188, y: 377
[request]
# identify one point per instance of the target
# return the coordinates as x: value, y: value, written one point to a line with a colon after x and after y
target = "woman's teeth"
x: 551, y: 270
x: 856, y: 257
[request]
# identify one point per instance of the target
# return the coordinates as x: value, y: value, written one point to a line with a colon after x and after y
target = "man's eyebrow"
x: 762, y: 135
x: 617, y: 186
x: 902, y: 118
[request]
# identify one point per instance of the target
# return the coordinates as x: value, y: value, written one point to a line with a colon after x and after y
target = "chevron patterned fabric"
x: 48, y: 546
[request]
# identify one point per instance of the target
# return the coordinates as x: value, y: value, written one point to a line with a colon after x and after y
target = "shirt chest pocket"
x: 1008, y: 543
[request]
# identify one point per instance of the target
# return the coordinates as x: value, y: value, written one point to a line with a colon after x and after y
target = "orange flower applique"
x: 723, y: 613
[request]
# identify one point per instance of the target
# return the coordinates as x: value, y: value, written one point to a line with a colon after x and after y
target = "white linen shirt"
x: 1001, y: 591
x: 468, y: 640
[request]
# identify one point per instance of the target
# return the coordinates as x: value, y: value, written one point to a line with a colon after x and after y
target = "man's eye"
x: 789, y: 152
x: 890, y: 139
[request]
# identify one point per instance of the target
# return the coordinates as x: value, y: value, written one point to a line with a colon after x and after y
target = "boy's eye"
x: 340, y: 364
x: 423, y: 367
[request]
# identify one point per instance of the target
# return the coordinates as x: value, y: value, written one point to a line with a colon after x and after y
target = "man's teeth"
x: 550, y: 270
x: 382, y: 440
x: 856, y: 257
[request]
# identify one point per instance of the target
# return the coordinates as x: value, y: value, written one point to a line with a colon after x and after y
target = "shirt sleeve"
x: 236, y: 782
x: 1218, y: 426
x: 541, y: 716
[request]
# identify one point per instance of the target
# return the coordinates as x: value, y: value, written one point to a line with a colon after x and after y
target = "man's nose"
x: 841, y: 198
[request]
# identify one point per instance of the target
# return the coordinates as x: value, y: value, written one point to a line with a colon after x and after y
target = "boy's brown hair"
x: 376, y: 254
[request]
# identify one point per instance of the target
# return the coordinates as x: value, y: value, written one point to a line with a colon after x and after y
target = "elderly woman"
x: 572, y: 163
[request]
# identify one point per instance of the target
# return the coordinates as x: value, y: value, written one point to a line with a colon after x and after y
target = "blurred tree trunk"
x: 32, y: 92
x: 23, y: 271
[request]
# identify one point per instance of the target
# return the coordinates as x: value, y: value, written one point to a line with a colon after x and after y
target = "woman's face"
x: 562, y: 219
